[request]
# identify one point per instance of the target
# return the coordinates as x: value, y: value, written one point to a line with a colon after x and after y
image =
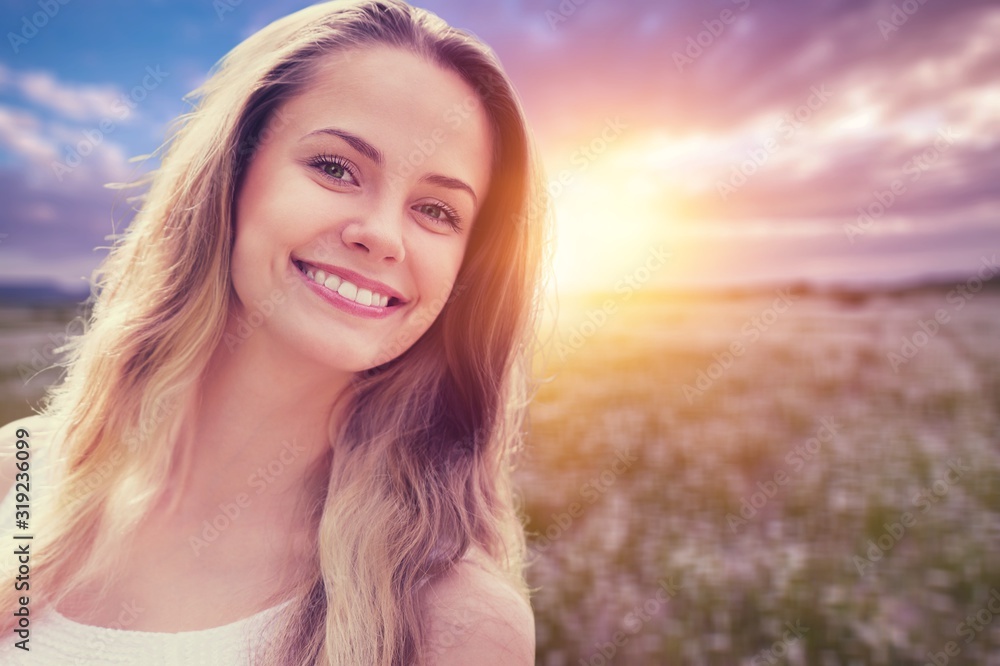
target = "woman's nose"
x: 377, y: 234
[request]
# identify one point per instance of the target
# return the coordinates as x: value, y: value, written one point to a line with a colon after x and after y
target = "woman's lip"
x: 338, y: 301
x: 357, y: 279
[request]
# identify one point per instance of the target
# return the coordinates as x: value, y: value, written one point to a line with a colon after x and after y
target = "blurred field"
x: 634, y: 490
x: 674, y: 514
x: 29, y: 338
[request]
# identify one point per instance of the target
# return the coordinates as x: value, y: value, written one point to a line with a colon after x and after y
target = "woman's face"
x: 356, y: 208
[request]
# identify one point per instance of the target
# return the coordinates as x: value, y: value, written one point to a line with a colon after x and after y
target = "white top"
x: 55, y: 640
x: 59, y: 641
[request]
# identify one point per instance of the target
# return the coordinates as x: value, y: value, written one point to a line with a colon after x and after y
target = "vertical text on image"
x: 22, y: 516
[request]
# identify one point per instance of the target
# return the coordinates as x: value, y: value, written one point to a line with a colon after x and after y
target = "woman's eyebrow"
x: 375, y: 155
x: 452, y: 183
x: 356, y: 142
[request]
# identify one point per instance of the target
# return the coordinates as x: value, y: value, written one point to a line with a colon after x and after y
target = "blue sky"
x: 754, y: 134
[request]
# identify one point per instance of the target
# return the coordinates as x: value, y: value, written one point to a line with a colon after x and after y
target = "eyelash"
x: 451, y: 216
x: 320, y: 161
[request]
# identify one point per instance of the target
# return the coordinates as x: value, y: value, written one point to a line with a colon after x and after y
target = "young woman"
x: 286, y: 434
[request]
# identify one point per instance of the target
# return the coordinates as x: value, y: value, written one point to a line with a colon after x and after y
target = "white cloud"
x: 55, y: 151
x: 23, y: 134
x: 75, y: 102
x: 62, y: 145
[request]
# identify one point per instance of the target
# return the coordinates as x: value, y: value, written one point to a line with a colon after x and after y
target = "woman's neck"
x: 258, y: 434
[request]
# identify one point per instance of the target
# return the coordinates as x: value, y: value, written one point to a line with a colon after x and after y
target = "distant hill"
x: 46, y: 294
x: 40, y: 294
x: 854, y: 294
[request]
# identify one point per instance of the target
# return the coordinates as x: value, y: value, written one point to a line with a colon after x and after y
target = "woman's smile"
x: 350, y: 291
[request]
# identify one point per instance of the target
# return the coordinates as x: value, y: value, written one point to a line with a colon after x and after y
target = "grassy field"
x: 827, y: 494
x: 29, y: 338
x: 771, y: 478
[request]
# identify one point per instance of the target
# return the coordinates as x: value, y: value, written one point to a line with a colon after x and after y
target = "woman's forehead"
x: 409, y: 108
x: 379, y: 79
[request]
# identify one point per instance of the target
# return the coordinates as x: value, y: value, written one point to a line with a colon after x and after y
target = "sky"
x: 749, y: 142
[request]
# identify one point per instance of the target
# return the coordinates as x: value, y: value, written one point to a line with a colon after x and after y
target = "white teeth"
x: 346, y: 289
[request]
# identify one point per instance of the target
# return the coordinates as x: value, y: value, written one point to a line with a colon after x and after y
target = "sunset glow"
x: 765, y: 149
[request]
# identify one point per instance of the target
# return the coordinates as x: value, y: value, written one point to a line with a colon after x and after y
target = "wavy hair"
x: 423, y: 457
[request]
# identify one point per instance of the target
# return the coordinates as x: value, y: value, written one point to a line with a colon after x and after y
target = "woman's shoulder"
x: 478, y: 616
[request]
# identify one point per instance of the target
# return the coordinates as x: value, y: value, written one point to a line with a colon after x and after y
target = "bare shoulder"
x: 477, y: 616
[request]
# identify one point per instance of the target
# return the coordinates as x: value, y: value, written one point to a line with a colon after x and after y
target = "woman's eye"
x: 334, y: 168
x: 440, y: 213
x: 431, y: 210
x: 337, y: 171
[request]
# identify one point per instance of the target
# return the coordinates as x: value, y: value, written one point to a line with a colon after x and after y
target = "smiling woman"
x: 286, y: 435
x: 406, y: 236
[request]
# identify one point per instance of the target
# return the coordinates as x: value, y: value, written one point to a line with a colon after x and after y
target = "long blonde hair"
x: 423, y: 459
